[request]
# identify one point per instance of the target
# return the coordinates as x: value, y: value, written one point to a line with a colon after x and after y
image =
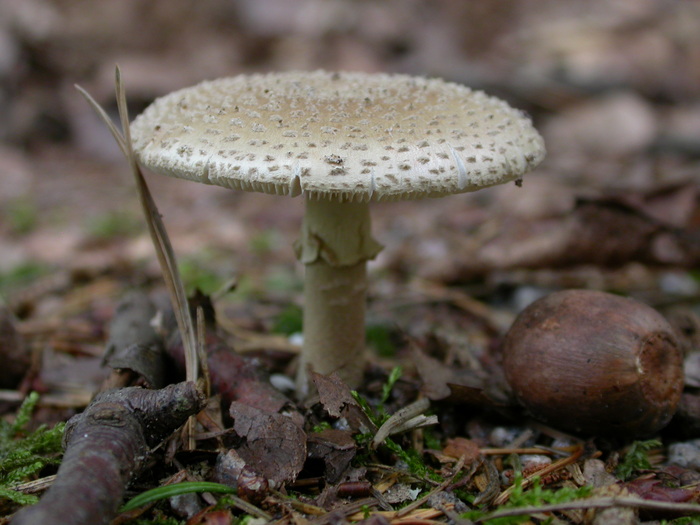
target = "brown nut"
x: 595, y: 363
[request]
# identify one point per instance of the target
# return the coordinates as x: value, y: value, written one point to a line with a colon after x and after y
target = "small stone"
x: 686, y: 454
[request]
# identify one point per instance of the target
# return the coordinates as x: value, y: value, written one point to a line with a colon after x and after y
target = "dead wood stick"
x: 134, y: 348
x: 106, y: 446
x: 15, y: 357
x: 632, y: 502
x: 131, y: 324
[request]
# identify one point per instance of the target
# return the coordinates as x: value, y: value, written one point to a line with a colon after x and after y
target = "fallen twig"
x: 105, y: 447
x: 134, y: 348
x: 596, y: 503
x: 561, y: 463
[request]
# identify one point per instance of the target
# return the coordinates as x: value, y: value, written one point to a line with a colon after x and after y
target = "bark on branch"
x: 105, y: 447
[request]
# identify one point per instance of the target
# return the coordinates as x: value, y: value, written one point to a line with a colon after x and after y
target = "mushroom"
x: 341, y: 140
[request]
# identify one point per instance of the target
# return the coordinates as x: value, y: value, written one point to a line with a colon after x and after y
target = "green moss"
x: 637, y: 458
x: 388, y: 386
x: 323, y: 425
x: 688, y: 520
x: 534, y: 496
x: 24, y: 454
x: 430, y: 440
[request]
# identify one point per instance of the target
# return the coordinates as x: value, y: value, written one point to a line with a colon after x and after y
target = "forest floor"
x: 614, y: 88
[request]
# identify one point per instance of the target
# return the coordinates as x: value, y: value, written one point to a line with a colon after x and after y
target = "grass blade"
x: 161, y: 242
x: 105, y: 118
x: 168, y: 491
x: 156, y: 228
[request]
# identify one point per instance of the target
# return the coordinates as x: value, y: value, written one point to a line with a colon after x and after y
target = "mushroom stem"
x: 334, y: 320
x: 335, y: 245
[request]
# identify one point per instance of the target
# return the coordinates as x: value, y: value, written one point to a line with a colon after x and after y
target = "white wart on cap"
x: 342, y: 140
x: 352, y: 136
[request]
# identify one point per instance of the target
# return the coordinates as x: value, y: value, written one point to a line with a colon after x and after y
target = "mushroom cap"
x: 346, y: 136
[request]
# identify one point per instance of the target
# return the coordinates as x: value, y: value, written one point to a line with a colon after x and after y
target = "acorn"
x: 593, y: 363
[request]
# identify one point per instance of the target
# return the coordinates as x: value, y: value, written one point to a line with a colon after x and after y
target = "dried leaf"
x: 336, y: 399
x: 232, y: 470
x: 273, y: 444
x: 654, y: 489
x: 461, y: 386
x: 333, y: 393
x: 658, y: 227
x: 240, y: 378
x: 335, y: 448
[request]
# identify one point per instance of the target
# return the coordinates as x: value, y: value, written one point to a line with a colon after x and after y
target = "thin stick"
x: 505, y: 495
x: 527, y: 450
x: 202, y: 351
x: 596, y: 503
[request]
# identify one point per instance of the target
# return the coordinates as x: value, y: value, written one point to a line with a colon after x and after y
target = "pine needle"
x: 156, y: 228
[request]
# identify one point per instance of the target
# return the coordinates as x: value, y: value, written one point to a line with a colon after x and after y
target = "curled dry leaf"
x: 336, y: 399
x: 238, y: 378
x: 333, y: 394
x: 407, y: 418
x: 232, y: 470
x: 272, y: 443
x: 656, y: 490
x: 447, y: 383
x: 335, y: 448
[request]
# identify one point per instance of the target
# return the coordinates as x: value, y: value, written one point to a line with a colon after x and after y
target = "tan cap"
x: 348, y: 136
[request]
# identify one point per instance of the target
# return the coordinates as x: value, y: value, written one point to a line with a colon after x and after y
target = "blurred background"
x: 613, y: 85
